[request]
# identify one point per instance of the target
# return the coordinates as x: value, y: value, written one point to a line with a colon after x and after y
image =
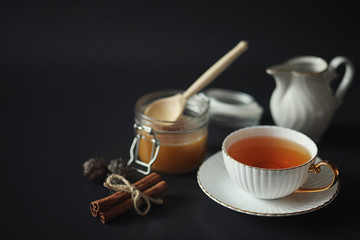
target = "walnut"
x: 96, y: 169
x: 119, y: 166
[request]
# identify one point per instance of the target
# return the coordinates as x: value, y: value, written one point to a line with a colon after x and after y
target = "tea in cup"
x: 271, y: 162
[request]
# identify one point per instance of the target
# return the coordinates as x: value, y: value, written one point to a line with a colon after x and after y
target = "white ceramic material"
x: 270, y: 183
x: 303, y: 99
x: 216, y: 183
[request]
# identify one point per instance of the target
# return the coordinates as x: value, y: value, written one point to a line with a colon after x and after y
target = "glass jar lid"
x: 233, y: 109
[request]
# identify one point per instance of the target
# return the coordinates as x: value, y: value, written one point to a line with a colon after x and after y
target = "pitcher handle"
x: 346, y: 80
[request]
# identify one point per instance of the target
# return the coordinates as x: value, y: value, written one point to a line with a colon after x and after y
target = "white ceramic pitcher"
x: 303, y: 99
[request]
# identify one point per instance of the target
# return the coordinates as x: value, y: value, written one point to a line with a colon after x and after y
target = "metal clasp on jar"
x: 139, y: 165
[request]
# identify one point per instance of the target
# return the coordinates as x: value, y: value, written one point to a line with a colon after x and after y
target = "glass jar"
x: 172, y: 147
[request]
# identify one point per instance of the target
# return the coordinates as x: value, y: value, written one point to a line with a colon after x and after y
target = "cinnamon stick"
x: 125, y: 205
x: 104, y: 203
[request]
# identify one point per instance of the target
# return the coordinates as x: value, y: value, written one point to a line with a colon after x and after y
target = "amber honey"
x: 182, y: 143
x: 269, y: 152
x: 177, y: 154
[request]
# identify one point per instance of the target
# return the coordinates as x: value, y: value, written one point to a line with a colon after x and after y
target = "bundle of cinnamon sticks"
x: 119, y: 202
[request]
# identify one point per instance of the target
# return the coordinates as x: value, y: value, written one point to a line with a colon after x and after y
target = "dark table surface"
x: 71, y: 73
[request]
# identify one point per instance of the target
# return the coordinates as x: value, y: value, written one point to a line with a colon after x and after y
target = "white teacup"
x: 272, y: 183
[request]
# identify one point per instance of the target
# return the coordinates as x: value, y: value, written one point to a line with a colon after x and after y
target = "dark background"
x: 71, y: 73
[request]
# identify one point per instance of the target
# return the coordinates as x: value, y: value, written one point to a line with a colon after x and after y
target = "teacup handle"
x: 347, y: 79
x: 316, y: 169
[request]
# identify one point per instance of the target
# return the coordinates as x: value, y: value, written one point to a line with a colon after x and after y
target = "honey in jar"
x: 182, y: 142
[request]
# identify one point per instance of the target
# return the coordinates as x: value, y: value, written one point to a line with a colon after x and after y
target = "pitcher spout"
x: 278, y: 69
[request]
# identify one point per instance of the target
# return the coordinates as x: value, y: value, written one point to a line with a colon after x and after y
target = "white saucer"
x: 214, y: 180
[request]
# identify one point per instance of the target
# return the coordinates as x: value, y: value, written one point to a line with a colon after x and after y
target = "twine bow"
x: 113, y: 183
